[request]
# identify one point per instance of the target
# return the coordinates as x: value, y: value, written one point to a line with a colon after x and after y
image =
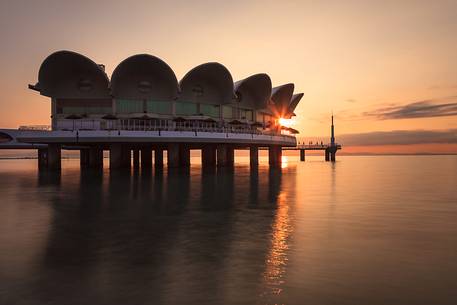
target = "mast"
x: 332, y: 138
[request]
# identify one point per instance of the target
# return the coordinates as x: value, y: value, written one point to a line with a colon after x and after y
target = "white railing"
x: 35, y: 127
x: 317, y: 146
x: 164, y: 125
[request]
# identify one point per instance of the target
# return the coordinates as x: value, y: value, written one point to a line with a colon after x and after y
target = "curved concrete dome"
x: 144, y: 76
x: 281, y: 97
x: 293, y: 104
x: 254, y: 91
x: 66, y: 74
x: 209, y: 83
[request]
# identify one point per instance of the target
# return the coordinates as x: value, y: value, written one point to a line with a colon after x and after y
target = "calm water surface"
x: 365, y: 230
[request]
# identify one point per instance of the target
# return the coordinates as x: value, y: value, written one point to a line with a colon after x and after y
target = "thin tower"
x: 332, y: 138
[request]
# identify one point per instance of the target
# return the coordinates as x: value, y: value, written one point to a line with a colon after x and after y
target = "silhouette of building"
x: 143, y: 87
x: 144, y: 107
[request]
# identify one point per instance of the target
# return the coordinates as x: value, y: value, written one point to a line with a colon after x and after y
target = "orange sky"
x: 353, y: 57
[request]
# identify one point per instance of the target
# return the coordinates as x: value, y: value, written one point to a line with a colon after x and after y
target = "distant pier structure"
x: 330, y: 149
x: 142, y: 112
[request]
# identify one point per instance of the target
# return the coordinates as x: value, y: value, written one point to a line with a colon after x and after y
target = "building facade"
x: 144, y: 93
x: 143, y: 108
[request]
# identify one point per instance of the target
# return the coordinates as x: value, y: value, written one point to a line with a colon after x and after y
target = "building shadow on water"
x: 171, y: 236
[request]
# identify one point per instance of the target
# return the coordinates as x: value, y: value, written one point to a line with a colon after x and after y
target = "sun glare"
x: 286, y: 122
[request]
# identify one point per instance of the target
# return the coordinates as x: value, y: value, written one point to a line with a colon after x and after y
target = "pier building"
x: 142, y: 110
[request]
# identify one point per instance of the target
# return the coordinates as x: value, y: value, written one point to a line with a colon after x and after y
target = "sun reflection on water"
x: 284, y: 161
x: 276, y: 260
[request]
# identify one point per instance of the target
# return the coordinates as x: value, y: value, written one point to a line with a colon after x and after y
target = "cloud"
x: 442, y: 87
x: 399, y: 137
x: 351, y: 100
x: 420, y: 109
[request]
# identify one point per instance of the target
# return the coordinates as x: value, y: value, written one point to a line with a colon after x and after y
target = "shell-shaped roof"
x: 70, y: 75
x: 254, y: 91
x: 294, y: 102
x: 281, y: 97
x: 144, y: 76
x: 209, y: 83
x: 66, y: 74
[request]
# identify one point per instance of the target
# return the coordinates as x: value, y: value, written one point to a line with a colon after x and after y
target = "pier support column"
x: 184, y: 155
x: 158, y: 157
x: 254, y: 155
x: 115, y: 156
x: 54, y: 156
x: 333, y: 156
x: 302, y: 155
x: 221, y: 155
x: 96, y: 157
x: 230, y: 156
x: 84, y: 158
x: 209, y: 155
x: 126, y: 157
x: 225, y: 155
x: 327, y: 154
x: 146, y: 158
x: 119, y: 156
x: 136, y: 158
x: 42, y: 158
x: 274, y: 155
x: 173, y: 155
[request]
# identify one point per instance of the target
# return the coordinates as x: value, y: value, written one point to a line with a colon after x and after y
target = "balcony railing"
x: 164, y: 125
x: 35, y: 127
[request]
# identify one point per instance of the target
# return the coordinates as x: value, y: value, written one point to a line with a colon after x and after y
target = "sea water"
x: 363, y: 230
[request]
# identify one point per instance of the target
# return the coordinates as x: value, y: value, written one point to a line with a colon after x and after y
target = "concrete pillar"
x: 225, y: 155
x: 327, y: 154
x: 333, y: 156
x: 158, y: 157
x: 136, y: 158
x: 230, y: 156
x: 184, y: 155
x: 173, y: 155
x: 254, y: 155
x: 84, y: 158
x: 42, y: 158
x: 146, y: 158
x: 271, y: 155
x: 221, y: 155
x: 275, y: 155
x: 302, y: 155
x: 96, y: 157
x: 209, y: 155
x: 54, y: 156
x: 280, y: 155
x: 115, y: 156
x: 126, y: 157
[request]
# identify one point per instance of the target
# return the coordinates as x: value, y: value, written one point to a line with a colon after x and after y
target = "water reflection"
x: 277, y: 257
x: 173, y: 236
x: 361, y: 230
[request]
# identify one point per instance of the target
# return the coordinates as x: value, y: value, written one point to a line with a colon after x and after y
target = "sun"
x: 286, y: 122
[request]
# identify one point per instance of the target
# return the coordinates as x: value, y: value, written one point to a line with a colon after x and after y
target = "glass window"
x: 159, y: 107
x: 73, y: 110
x: 83, y: 106
x: 183, y: 108
x: 227, y: 112
x: 259, y: 117
x: 246, y: 114
x: 249, y: 115
x: 210, y: 110
x: 129, y: 106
